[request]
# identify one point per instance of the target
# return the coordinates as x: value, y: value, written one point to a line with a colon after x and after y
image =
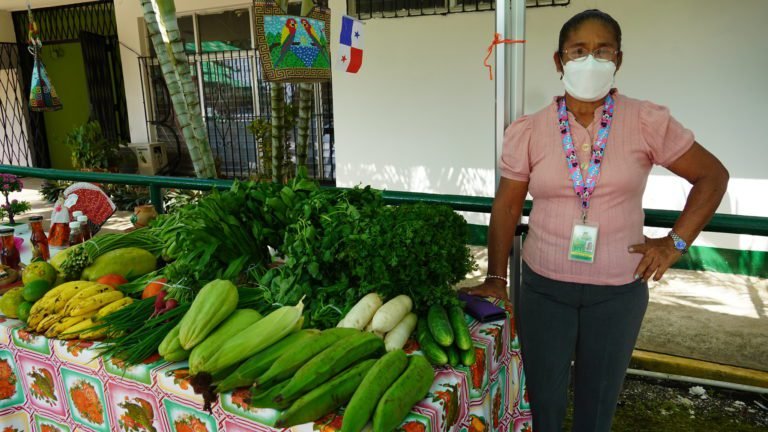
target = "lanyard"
x: 585, y: 189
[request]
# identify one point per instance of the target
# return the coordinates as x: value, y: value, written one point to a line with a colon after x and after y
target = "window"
x: 225, y: 67
x: 367, y: 9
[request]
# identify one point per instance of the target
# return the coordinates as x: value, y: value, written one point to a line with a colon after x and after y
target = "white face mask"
x: 588, y: 80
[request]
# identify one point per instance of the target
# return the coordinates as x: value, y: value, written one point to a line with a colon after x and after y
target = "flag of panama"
x: 350, y: 55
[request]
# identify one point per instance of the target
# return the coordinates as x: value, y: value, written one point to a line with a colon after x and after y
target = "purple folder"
x: 481, y: 309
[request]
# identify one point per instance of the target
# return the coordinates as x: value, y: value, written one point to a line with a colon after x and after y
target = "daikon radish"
x: 398, y: 336
x: 362, y: 312
x: 389, y: 315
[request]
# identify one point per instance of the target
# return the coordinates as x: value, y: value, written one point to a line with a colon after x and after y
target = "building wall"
x: 6, y: 27
x: 66, y: 70
x: 419, y: 116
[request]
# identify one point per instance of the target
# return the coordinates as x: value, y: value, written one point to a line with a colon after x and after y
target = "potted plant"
x: 10, y: 183
x: 90, y: 150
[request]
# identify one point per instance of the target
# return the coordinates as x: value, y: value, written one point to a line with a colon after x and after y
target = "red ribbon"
x: 497, y: 40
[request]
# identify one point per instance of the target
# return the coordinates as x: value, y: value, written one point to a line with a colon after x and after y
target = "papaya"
x: 130, y: 263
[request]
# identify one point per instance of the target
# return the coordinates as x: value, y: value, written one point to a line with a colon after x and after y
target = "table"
x: 49, y: 385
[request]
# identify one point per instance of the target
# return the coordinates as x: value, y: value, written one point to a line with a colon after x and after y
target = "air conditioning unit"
x: 152, y: 156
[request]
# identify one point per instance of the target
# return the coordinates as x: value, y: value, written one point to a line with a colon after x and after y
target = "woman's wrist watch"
x: 680, y: 244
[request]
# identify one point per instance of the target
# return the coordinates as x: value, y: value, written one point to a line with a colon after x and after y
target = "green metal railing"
x: 723, y: 223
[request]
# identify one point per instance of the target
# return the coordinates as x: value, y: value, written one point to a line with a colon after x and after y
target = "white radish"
x: 397, y: 338
x: 369, y: 329
x: 389, y: 315
x: 362, y: 312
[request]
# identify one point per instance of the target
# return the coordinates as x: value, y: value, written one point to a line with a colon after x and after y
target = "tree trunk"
x: 305, y: 116
x: 278, y: 130
x: 199, y: 149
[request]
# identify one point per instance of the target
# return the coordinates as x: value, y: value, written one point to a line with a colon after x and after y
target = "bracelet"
x: 490, y: 276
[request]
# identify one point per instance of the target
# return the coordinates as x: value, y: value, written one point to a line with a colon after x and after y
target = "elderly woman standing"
x: 585, y: 159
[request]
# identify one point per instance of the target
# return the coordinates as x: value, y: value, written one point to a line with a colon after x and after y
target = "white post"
x: 510, y: 74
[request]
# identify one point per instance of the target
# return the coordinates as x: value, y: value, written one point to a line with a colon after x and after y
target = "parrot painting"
x: 312, y: 34
x: 287, y: 38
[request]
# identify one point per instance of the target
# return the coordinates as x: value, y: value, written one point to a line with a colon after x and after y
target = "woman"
x: 585, y: 159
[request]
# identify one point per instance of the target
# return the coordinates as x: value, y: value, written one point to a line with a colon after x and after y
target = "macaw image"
x: 296, y: 42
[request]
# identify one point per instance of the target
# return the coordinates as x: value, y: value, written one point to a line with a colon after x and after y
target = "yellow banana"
x: 85, y: 293
x: 64, y: 324
x: 112, y: 307
x: 94, y: 303
x: 94, y: 334
x: 68, y: 292
x: 47, y: 322
x: 75, y: 330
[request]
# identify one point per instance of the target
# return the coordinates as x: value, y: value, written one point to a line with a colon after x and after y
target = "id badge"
x: 583, y: 241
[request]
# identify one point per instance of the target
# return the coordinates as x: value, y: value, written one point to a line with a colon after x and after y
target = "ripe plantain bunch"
x: 71, y: 309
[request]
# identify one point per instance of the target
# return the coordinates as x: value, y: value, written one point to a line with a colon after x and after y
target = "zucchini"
x: 439, y: 325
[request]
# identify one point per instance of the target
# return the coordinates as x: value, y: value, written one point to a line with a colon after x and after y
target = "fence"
x: 234, y: 94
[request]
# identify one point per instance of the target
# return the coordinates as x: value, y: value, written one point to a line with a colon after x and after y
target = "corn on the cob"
x: 253, y: 339
x: 214, y: 303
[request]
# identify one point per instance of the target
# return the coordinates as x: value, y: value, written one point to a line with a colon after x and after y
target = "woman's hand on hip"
x: 496, y: 288
x: 659, y: 254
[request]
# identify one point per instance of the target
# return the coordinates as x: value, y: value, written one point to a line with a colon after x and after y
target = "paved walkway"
x: 708, y: 316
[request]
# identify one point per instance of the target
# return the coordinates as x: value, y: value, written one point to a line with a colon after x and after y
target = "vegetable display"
x: 305, y: 295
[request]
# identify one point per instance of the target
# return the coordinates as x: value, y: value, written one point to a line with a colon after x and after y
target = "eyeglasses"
x: 603, y: 54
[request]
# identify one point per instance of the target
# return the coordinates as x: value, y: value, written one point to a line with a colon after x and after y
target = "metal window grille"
x: 234, y: 94
x: 15, y: 144
x: 64, y: 23
x: 368, y: 9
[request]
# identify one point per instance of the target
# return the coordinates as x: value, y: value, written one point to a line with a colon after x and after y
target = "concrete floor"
x: 715, y: 317
x: 708, y: 316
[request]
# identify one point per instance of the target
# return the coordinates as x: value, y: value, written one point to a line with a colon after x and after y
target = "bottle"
x: 9, y: 255
x: 75, y: 234
x: 84, y: 227
x: 38, y: 239
x: 59, y: 232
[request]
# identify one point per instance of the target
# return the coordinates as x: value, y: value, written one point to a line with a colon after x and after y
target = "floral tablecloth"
x: 49, y: 385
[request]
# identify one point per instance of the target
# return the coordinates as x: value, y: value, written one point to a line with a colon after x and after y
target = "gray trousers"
x: 596, y: 326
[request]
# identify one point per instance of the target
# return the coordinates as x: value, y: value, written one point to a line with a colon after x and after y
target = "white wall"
x: 421, y: 110
x: 419, y: 115
x: 6, y: 27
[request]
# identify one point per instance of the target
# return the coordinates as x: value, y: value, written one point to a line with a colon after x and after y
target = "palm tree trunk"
x: 277, y: 93
x: 305, y: 115
x: 199, y: 149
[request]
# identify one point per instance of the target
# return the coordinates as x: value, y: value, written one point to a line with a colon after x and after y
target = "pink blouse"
x: 642, y: 134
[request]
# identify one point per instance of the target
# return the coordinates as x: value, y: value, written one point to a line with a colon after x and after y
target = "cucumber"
x: 383, y: 374
x: 326, y: 398
x: 295, y: 357
x: 439, y: 325
x: 412, y: 386
x: 453, y: 356
x: 330, y: 362
x: 461, y: 335
x: 468, y: 357
x: 431, y: 349
x: 259, y: 363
